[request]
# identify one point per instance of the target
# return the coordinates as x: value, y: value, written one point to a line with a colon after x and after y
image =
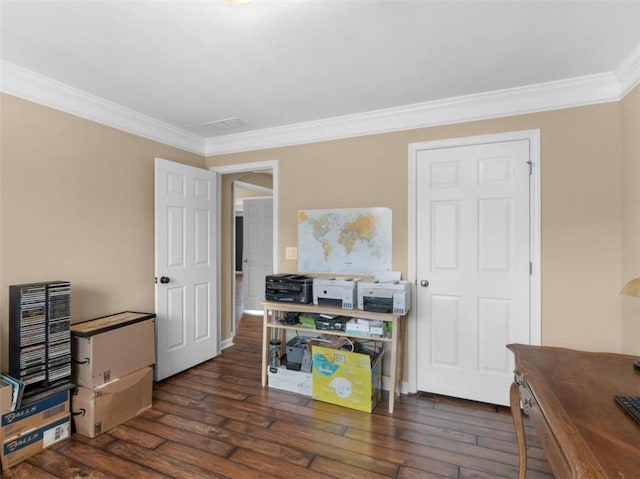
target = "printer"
x: 339, y: 293
x: 385, y: 297
x: 293, y: 288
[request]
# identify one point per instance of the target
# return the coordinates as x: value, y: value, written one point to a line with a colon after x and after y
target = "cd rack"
x: 40, y: 334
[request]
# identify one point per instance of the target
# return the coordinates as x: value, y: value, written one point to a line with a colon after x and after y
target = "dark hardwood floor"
x: 216, y: 421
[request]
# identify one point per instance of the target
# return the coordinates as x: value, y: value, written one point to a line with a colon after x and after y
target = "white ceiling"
x: 280, y: 65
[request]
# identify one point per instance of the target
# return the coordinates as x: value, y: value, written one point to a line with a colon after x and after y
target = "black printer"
x: 292, y: 288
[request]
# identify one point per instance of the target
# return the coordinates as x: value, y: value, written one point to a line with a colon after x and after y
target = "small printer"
x: 339, y: 293
x: 385, y: 297
x: 293, y: 288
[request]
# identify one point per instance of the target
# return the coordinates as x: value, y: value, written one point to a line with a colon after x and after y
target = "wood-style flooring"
x: 216, y: 421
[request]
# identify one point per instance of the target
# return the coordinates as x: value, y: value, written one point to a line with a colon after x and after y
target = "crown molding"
x: 628, y: 73
x: 26, y: 84
x: 573, y: 92
x: 570, y: 93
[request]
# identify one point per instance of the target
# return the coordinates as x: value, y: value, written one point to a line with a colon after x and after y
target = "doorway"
x: 474, y: 258
x: 232, y: 284
x: 253, y: 207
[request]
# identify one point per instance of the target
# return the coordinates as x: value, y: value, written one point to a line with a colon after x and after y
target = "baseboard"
x: 404, y: 386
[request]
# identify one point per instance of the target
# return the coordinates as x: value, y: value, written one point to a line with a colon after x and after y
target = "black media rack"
x: 40, y: 335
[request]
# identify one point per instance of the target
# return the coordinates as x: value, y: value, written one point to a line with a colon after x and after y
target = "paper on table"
x: 388, y: 276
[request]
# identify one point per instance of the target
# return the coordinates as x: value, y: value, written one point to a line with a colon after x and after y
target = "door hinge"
x: 530, y: 268
x: 530, y: 163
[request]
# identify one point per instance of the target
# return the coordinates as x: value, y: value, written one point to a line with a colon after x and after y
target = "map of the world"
x: 344, y: 241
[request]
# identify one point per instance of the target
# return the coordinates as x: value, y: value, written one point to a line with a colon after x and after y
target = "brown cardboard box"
x: 111, y: 347
x: 97, y: 410
x: 5, y: 397
x: 34, y: 415
x: 18, y: 448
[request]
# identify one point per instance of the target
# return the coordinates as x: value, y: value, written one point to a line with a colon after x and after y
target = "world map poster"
x: 344, y: 241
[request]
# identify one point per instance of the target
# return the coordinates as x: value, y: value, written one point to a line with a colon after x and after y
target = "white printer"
x: 339, y: 293
x: 384, y: 297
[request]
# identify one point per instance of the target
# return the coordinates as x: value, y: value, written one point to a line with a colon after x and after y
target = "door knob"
x: 424, y: 283
x: 164, y: 279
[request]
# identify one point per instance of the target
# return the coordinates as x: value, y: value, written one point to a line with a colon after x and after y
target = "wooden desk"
x: 569, y: 397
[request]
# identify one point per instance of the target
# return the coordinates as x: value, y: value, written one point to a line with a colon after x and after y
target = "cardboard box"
x: 98, y: 410
x: 111, y: 347
x: 35, y: 414
x: 376, y: 328
x: 29, y: 443
x: 357, y: 327
x: 6, y: 392
x: 288, y: 380
x: 346, y: 378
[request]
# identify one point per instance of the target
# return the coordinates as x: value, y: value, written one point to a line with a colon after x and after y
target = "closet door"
x: 473, y: 267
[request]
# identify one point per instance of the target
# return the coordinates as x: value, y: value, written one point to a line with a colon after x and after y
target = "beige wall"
x: 631, y: 218
x: 77, y: 204
x: 581, y: 206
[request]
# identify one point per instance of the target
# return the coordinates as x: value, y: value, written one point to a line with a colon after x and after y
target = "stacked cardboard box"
x: 33, y: 427
x: 113, y: 361
x: 103, y: 408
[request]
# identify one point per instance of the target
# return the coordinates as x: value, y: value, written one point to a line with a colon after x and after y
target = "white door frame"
x: 534, y: 240
x: 245, y: 168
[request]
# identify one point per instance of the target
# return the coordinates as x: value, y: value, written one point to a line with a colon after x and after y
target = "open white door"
x: 185, y: 267
x: 257, y: 250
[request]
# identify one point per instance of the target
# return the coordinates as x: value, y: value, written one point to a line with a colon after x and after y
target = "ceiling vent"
x: 225, y: 124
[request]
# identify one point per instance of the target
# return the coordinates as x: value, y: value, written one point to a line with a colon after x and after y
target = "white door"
x: 257, y: 250
x: 473, y: 267
x: 186, y: 270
